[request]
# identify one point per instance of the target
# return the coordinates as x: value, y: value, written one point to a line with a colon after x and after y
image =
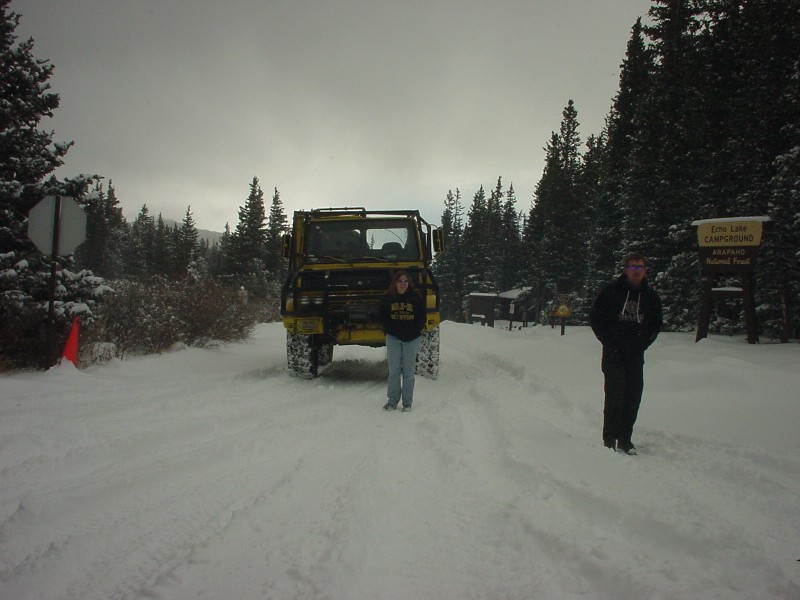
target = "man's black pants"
x: 624, y: 382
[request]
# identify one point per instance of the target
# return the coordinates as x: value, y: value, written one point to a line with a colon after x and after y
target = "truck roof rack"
x: 361, y: 211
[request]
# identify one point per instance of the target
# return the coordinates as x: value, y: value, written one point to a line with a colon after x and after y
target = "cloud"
x: 333, y: 102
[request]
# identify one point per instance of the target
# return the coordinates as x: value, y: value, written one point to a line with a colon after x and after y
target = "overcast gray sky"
x: 382, y: 104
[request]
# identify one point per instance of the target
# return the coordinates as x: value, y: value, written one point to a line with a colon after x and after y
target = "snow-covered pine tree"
x: 537, y: 228
x: 754, y: 49
x: 668, y: 158
x: 492, y: 226
x: 510, y: 249
x: 28, y: 155
x: 186, y: 246
x: 557, y: 221
x: 160, y: 248
x: 477, y: 251
x: 449, y: 266
x: 218, y: 255
x: 598, y: 257
x: 247, y: 250
x: 106, y: 231
x: 139, y: 252
x: 277, y: 225
x: 614, y: 152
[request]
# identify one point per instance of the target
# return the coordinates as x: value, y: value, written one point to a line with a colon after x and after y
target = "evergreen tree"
x: 160, y: 249
x: 538, y: 227
x: 450, y: 266
x: 557, y: 225
x: 477, y: 251
x: 779, y: 272
x: 492, y: 226
x: 613, y: 152
x: 544, y: 216
x: 510, y: 250
x: 219, y: 262
x: 753, y: 48
x: 186, y: 245
x: 277, y: 226
x: 669, y: 155
x: 105, y: 234
x: 570, y: 140
x: 140, y: 252
x: 247, y: 250
x: 213, y: 258
x: 28, y: 155
x: 601, y: 228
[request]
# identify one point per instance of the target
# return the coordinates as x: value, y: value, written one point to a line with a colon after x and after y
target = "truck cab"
x: 340, y: 264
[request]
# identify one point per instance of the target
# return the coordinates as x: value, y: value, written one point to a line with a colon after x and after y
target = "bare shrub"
x: 149, y: 317
x: 209, y: 312
x: 139, y: 317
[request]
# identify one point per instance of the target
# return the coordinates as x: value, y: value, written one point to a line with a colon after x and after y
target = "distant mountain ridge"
x: 203, y: 234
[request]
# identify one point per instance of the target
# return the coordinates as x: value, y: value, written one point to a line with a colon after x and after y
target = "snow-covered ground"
x: 213, y: 474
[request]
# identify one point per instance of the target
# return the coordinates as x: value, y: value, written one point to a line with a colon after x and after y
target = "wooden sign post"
x: 729, y: 247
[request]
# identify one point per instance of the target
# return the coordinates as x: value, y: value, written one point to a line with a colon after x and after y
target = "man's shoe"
x: 628, y: 448
x: 406, y: 408
x: 389, y: 406
x: 610, y: 444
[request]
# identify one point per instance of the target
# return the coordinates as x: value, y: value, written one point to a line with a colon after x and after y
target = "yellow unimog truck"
x: 341, y: 261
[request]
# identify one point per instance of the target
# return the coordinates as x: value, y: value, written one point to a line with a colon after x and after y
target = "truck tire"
x: 302, y: 355
x: 325, y: 354
x: 428, y: 355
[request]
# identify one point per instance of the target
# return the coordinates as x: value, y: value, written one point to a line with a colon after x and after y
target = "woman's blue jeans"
x: 402, y: 359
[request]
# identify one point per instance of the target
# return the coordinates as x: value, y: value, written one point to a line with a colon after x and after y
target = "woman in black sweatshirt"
x: 403, y: 318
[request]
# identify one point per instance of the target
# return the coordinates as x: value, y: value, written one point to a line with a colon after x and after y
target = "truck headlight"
x: 307, y: 301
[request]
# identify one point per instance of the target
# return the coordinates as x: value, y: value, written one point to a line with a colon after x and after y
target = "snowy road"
x: 212, y: 474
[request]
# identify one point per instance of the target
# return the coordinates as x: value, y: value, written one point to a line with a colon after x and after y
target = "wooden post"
x: 749, y: 296
x: 786, y: 329
x: 705, y: 309
x: 50, y: 352
x: 712, y: 295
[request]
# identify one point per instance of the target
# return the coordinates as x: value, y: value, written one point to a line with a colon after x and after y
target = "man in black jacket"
x: 626, y: 318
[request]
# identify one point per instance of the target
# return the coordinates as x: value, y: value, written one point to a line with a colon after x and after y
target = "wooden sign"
x: 729, y: 245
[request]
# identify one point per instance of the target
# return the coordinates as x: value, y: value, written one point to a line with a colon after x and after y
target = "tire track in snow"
x: 595, y: 514
x: 167, y: 525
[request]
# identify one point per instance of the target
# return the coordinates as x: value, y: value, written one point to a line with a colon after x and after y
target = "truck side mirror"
x: 438, y: 240
x: 286, y: 245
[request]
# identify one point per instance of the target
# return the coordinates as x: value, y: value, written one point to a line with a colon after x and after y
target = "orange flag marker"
x: 71, y: 349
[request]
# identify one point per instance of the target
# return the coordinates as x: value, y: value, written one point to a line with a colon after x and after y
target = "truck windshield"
x: 362, y: 239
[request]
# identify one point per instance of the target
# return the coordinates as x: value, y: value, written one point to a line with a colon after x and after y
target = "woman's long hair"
x: 393, y: 285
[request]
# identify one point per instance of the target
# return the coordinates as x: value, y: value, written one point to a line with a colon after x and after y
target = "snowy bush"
x: 150, y: 317
x: 24, y: 308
